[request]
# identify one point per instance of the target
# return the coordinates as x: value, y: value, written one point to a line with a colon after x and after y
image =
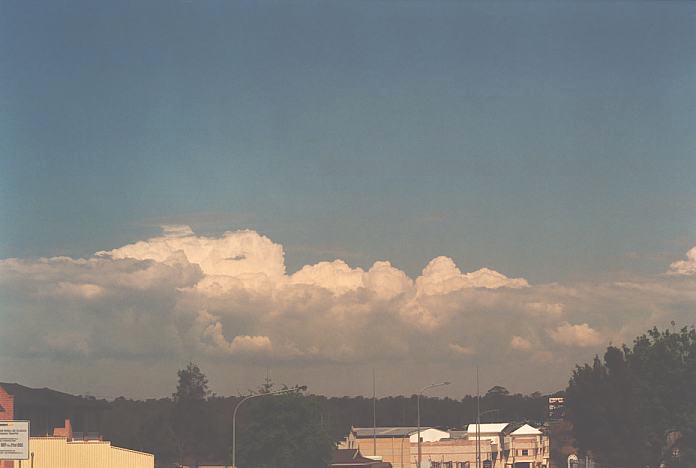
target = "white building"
x: 488, y: 431
x: 501, y: 445
x: 393, y: 445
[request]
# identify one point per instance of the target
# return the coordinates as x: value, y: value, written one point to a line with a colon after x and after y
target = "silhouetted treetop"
x: 192, y: 386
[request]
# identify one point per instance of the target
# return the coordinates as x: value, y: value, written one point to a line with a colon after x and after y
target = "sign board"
x: 14, y: 440
x: 487, y: 464
x: 556, y: 407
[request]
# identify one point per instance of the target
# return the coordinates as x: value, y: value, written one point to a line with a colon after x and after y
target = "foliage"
x: 681, y: 450
x: 190, y: 425
x: 149, y: 425
x: 192, y: 386
x: 282, y: 430
x: 562, y: 442
x: 140, y: 425
x: 623, y: 408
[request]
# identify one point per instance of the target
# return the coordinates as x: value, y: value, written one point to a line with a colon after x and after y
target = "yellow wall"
x: 395, y: 450
x: 57, y: 452
x: 454, y: 450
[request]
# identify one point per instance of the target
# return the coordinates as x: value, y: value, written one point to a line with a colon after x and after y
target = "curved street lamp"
x: 478, y: 433
x: 234, y: 418
x: 427, y: 387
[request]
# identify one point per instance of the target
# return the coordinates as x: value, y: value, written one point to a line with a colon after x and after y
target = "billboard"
x: 14, y: 440
x: 556, y: 407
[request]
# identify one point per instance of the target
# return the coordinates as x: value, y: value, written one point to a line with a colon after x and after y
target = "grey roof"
x: 366, y: 432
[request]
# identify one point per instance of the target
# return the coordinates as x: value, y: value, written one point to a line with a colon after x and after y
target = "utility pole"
x: 478, y: 421
x: 374, y: 414
x: 234, y: 418
x: 418, y: 414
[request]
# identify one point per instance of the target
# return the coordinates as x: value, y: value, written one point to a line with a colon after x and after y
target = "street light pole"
x: 428, y: 387
x: 478, y: 430
x: 234, y: 418
x: 478, y: 421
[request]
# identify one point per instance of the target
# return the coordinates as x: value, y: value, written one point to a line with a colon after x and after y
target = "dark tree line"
x: 295, y: 428
x: 635, y: 407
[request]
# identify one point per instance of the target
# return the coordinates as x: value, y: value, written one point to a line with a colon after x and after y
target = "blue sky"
x: 545, y: 138
x: 550, y: 141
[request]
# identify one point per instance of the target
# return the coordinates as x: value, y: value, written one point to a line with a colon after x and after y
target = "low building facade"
x: 527, y: 447
x: 392, y: 444
x: 59, y: 452
x: 352, y: 458
x: 68, y: 449
x: 500, y: 445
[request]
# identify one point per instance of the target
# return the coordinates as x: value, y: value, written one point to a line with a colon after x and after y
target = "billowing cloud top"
x: 180, y: 294
x: 243, y: 255
x: 685, y: 267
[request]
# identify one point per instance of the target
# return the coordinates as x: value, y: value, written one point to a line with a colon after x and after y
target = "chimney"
x: 65, y: 431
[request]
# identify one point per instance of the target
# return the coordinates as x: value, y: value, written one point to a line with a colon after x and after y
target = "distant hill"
x: 47, y: 409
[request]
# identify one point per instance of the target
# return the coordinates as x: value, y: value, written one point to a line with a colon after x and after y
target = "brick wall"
x: 6, y: 405
x: 6, y: 413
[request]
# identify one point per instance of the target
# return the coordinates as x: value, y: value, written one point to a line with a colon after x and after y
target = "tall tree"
x: 192, y: 386
x: 191, y: 427
x: 624, y: 407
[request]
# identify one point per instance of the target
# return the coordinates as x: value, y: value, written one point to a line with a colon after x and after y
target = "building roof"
x: 526, y: 430
x: 488, y: 428
x: 345, y: 455
x: 398, y: 431
x: 353, y: 458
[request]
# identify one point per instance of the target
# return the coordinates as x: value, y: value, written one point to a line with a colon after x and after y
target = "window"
x: 525, y: 452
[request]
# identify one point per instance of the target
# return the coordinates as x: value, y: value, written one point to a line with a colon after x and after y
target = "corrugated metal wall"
x: 55, y: 452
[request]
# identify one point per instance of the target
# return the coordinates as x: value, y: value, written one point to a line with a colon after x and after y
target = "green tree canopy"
x: 192, y: 386
x: 191, y: 420
x: 282, y: 430
x: 624, y: 408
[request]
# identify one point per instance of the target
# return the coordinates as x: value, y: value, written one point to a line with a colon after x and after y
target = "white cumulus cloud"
x: 685, y: 267
x: 442, y: 276
x: 520, y: 344
x: 581, y: 335
x: 229, y: 298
